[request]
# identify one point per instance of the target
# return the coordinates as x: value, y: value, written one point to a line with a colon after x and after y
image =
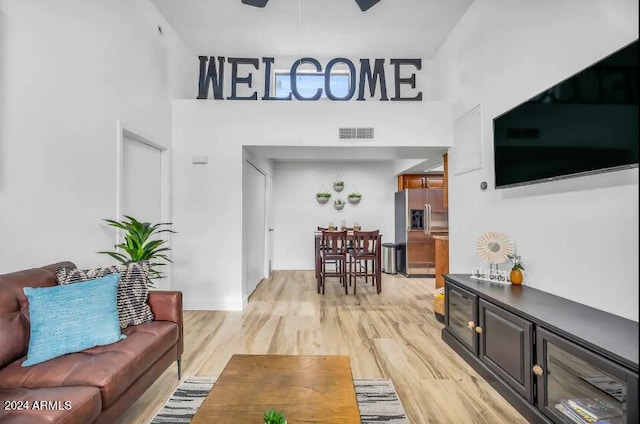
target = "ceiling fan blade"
x: 365, y: 4
x: 256, y: 3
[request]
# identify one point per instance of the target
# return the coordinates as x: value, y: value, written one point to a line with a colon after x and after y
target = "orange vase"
x: 515, y: 276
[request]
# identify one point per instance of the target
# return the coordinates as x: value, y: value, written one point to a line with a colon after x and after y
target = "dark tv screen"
x: 585, y: 124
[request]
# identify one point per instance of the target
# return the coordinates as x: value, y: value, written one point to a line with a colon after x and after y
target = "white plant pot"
x: 338, y: 206
x: 354, y: 200
x: 322, y: 200
x: 338, y: 188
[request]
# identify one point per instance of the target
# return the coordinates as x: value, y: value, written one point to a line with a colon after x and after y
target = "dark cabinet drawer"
x: 506, y: 346
x: 461, y: 311
x: 568, y: 374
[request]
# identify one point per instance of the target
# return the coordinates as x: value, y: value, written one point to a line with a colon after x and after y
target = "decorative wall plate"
x: 494, y: 247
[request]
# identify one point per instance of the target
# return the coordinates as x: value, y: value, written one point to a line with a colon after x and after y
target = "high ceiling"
x: 319, y: 28
x: 322, y: 29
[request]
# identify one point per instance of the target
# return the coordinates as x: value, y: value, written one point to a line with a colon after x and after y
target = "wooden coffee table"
x: 308, y: 389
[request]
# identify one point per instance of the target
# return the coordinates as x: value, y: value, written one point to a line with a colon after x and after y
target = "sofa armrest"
x: 167, y: 306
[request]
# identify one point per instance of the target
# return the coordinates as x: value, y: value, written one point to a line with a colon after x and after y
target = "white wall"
x: 296, y: 213
x: 578, y: 238
x: 71, y: 69
x: 207, y: 207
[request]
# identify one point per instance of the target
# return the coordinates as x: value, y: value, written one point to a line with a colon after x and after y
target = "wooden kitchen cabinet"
x: 426, y: 180
x: 414, y: 182
x: 411, y: 181
x: 435, y: 182
x: 445, y: 175
x: 442, y: 259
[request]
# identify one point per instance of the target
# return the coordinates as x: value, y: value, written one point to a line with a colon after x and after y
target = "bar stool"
x: 366, y: 248
x: 333, y: 249
x: 319, y: 247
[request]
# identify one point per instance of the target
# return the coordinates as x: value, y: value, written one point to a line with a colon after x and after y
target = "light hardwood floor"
x: 392, y: 335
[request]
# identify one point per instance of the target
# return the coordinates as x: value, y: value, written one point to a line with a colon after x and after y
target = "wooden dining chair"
x: 319, y: 247
x: 366, y: 249
x: 317, y: 239
x: 333, y: 250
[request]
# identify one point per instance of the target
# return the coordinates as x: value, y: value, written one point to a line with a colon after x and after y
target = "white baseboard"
x: 217, y: 305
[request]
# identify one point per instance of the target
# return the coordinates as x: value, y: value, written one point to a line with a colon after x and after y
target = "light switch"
x: 200, y: 159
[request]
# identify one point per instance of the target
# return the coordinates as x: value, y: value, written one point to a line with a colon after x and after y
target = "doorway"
x: 254, y: 226
x: 141, y: 180
x: 143, y: 183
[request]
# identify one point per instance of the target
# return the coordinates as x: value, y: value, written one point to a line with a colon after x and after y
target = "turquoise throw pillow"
x: 72, y: 318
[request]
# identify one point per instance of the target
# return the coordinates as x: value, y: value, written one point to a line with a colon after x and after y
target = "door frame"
x: 127, y: 131
x: 265, y: 265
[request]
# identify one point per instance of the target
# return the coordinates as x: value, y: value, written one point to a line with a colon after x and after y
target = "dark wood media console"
x: 548, y: 356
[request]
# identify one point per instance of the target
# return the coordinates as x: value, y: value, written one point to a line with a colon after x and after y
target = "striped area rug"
x: 377, y: 400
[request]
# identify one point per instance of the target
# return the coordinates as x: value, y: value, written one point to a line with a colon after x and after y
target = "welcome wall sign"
x: 375, y: 79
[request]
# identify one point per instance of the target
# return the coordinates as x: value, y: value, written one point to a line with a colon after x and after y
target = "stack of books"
x: 585, y: 411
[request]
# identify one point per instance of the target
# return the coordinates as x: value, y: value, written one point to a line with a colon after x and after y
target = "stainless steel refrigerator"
x: 419, y: 215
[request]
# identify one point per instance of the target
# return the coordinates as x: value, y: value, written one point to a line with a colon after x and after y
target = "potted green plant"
x: 273, y: 417
x: 338, y: 185
x: 338, y: 204
x: 140, y: 245
x: 516, y: 271
x: 354, y: 198
x: 323, y: 197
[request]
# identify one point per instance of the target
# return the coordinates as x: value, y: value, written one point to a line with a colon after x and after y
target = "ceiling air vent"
x: 355, y: 133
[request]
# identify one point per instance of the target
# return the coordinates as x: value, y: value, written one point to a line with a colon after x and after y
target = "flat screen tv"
x: 586, y: 124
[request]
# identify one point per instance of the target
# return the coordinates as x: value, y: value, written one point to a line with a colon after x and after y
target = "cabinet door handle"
x: 537, y: 370
x: 479, y: 330
x: 471, y: 324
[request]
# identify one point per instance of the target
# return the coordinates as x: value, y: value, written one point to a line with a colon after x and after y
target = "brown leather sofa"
x: 93, y: 386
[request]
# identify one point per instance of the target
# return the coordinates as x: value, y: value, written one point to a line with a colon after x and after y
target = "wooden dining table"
x: 317, y: 238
